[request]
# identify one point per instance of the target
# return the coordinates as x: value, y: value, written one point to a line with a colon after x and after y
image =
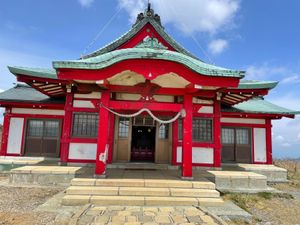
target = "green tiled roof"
x: 254, y: 84
x: 35, y: 72
x: 259, y: 105
x: 108, y: 59
x: 135, y: 29
x: 25, y: 93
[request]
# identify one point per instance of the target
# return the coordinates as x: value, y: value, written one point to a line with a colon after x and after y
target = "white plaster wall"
x: 206, y: 109
x: 260, y: 147
x: 93, y: 95
x: 38, y: 111
x: 200, y: 155
x: 242, y: 120
x: 15, y: 135
x: 83, y: 104
x: 82, y: 151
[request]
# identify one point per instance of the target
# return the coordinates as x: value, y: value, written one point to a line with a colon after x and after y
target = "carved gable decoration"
x: 153, y: 43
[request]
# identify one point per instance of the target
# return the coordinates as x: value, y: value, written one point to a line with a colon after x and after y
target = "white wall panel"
x: 206, y: 109
x: 242, y: 120
x: 200, y: 155
x: 38, y: 111
x: 15, y: 135
x: 83, y: 104
x: 82, y: 151
x: 260, y: 147
x: 93, y: 95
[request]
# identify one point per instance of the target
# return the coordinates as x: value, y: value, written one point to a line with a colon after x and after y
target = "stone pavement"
x: 135, y: 215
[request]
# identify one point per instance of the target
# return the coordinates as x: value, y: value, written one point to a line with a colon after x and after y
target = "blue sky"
x: 261, y: 37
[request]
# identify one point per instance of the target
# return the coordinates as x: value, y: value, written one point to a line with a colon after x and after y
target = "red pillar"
x: 217, y: 134
x: 103, y: 130
x: 67, y: 126
x: 174, y: 141
x: 187, y: 138
x: 269, y: 141
x: 111, y: 137
x: 6, y: 124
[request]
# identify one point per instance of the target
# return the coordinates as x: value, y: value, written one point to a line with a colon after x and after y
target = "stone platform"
x: 44, y: 175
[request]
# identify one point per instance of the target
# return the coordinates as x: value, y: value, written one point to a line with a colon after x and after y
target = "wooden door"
x: 42, y: 137
x: 228, y: 144
x: 122, y: 140
x: 243, y: 145
x: 163, y: 143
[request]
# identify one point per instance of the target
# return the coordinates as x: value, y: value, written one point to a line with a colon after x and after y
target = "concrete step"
x: 72, y: 200
x: 151, y: 183
x: 141, y: 191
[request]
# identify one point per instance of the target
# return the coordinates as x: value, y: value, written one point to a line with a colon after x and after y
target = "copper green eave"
x: 108, y: 59
x: 261, y: 106
x: 255, y: 84
x: 33, y: 72
x: 133, y: 31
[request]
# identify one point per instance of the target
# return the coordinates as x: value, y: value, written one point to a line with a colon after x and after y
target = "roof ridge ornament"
x: 149, y: 42
x: 149, y: 13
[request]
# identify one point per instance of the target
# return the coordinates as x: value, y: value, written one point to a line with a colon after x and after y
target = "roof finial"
x: 149, y: 5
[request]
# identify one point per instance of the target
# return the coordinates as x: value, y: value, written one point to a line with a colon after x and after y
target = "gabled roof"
x: 144, y: 18
x: 110, y: 58
x: 24, y: 93
x: 259, y: 105
x: 255, y: 84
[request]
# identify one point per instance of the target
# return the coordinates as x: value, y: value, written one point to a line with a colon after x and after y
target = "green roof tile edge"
x: 35, y: 72
x: 108, y: 59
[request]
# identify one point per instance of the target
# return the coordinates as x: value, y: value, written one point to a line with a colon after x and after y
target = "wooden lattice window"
x: 164, y: 131
x: 85, y: 125
x: 123, y: 127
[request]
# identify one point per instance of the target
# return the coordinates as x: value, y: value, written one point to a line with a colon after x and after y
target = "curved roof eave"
x: 110, y: 58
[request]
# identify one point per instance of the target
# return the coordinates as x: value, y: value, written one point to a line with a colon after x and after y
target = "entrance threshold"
x: 141, y: 166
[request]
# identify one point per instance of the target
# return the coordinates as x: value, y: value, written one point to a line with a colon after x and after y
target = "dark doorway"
x: 42, y: 137
x: 143, y: 144
x: 236, y: 145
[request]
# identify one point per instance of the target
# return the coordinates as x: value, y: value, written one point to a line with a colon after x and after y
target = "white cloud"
x: 86, y: 3
x: 1, y: 90
x: 217, y: 46
x: 189, y: 16
x: 291, y: 79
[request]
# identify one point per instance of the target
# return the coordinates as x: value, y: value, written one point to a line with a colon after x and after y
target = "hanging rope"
x: 182, y: 113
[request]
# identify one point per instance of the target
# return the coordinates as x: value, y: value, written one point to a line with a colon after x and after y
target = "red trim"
x: 23, y: 137
x: 102, y: 135
x: 187, y: 124
x: 35, y: 116
x: 243, y: 125
x: 32, y: 105
x: 217, y: 133
x: 5, y: 132
x: 66, y: 130
x: 144, y: 67
x: 153, y: 106
x: 252, y: 145
x: 147, y: 30
x: 269, y: 142
x: 255, y: 115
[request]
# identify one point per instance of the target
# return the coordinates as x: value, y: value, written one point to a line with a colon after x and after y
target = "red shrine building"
x: 141, y: 98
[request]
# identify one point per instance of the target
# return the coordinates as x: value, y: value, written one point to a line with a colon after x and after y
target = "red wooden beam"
x: 255, y: 115
x: 32, y: 105
x: 269, y: 142
x: 5, y: 131
x: 153, y: 106
x: 217, y: 133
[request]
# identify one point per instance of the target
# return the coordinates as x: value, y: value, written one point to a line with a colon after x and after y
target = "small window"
x: 242, y: 136
x: 51, y: 128
x: 35, y: 128
x: 85, y: 125
x: 123, y: 127
x: 227, y: 136
x: 202, y: 130
x: 164, y: 131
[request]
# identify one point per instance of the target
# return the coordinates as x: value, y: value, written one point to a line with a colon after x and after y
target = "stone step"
x: 153, y: 183
x: 72, y: 200
x: 141, y: 191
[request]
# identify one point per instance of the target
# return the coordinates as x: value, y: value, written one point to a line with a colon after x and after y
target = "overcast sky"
x: 261, y: 37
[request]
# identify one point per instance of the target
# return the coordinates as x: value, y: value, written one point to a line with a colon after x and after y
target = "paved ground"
x: 133, y: 215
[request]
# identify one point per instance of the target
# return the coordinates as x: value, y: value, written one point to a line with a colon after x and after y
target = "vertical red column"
x: 187, y: 138
x: 217, y: 133
x: 6, y: 124
x: 269, y: 141
x: 67, y: 126
x: 103, y: 130
x: 111, y: 137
